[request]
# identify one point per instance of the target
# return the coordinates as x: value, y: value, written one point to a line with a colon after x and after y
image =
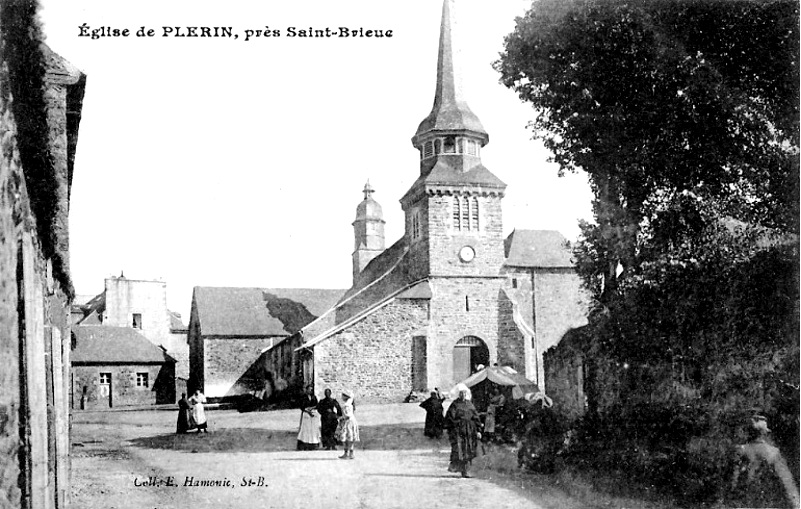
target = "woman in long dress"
x: 462, y: 422
x: 309, y: 433
x: 329, y: 411
x: 434, y: 419
x: 183, y: 415
x: 496, y: 402
x: 198, y: 411
x: 348, y: 427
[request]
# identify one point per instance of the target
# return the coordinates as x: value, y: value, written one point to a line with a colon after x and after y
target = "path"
x: 395, y: 466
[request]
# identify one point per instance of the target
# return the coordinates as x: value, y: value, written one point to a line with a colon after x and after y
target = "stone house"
x: 40, y: 109
x: 452, y: 293
x: 117, y: 366
x: 140, y: 305
x: 229, y: 328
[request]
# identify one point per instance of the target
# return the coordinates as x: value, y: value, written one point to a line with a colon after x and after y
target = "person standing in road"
x: 330, y: 412
x: 348, y: 427
x: 762, y: 461
x: 198, y: 411
x: 183, y: 415
x: 309, y: 432
x: 434, y: 418
x: 462, y: 422
x: 496, y: 403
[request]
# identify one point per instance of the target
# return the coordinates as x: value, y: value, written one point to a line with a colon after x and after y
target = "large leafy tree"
x: 684, y: 116
x: 679, y: 111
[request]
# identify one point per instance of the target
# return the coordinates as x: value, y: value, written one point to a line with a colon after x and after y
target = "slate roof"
x: 537, y: 249
x: 259, y: 312
x: 450, y: 111
x: 101, y: 344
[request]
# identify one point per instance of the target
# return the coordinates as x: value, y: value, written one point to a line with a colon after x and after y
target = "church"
x: 452, y: 293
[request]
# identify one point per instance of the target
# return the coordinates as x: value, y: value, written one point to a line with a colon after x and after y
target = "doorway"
x: 105, y: 390
x: 469, y: 353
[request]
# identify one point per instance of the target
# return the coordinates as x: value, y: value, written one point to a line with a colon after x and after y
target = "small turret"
x: 368, y: 231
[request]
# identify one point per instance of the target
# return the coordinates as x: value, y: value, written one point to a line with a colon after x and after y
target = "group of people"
x: 463, y: 423
x: 327, y: 423
x: 192, y: 414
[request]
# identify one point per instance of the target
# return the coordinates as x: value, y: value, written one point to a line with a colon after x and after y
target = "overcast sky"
x: 225, y: 162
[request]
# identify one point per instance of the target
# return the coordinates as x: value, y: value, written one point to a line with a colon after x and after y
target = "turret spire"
x: 450, y: 113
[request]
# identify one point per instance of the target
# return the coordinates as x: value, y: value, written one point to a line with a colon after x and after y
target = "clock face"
x: 466, y: 254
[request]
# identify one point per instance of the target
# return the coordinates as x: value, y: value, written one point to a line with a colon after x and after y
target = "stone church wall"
x: 445, y: 243
x: 560, y: 304
x: 454, y: 317
x: 373, y: 357
x: 511, y: 349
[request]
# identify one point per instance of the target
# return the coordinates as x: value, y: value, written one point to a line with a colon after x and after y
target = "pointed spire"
x: 450, y: 111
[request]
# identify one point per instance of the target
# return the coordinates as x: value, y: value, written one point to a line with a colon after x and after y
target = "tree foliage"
x: 684, y: 114
x: 657, y: 100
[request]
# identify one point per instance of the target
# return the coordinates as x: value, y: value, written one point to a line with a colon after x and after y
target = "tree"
x: 684, y: 116
x: 659, y: 101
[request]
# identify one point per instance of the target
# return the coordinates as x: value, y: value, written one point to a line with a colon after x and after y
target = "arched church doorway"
x: 468, y: 354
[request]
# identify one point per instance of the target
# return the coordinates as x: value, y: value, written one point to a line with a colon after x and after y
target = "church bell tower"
x: 453, y: 210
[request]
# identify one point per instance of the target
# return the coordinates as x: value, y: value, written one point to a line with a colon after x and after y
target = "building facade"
x: 453, y: 293
x: 140, y: 305
x: 117, y: 366
x: 40, y: 109
x: 229, y: 328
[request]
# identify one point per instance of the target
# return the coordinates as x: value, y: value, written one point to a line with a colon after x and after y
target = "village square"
x: 650, y: 360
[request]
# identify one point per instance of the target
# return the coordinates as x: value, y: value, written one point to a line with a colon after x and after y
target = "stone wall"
x: 373, y: 357
x: 226, y: 360
x: 124, y: 297
x: 460, y: 307
x: 88, y: 395
x: 566, y: 377
x: 445, y: 242
x: 511, y: 346
x: 35, y: 289
x: 560, y: 304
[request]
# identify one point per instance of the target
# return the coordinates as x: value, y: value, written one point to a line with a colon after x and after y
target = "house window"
x: 437, y: 146
x: 141, y: 380
x: 429, y: 149
x: 105, y: 378
x: 465, y: 223
x: 137, y: 321
x: 471, y: 148
x: 466, y: 303
x: 514, y: 282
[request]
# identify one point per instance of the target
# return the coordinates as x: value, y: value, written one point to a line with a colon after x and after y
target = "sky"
x: 230, y: 162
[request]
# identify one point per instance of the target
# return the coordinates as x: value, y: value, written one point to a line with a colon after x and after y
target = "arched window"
x: 450, y: 144
x: 437, y: 146
x: 429, y: 149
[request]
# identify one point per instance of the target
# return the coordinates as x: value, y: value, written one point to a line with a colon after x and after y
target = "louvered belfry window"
x: 474, y: 214
x: 465, y: 213
x: 457, y: 214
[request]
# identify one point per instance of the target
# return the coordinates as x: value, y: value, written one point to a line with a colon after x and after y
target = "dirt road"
x: 134, y: 460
